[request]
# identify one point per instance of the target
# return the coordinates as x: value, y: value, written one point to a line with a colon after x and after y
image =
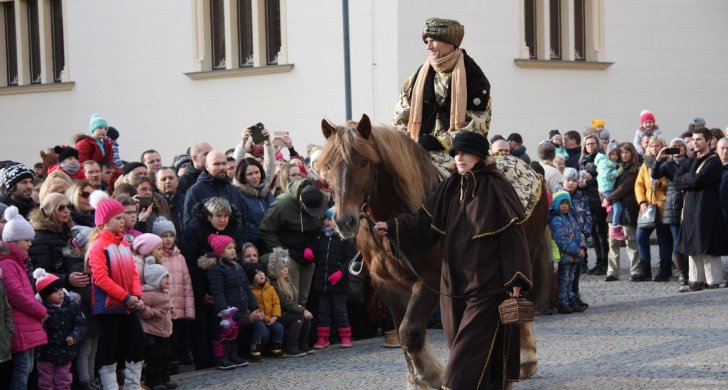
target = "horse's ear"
x: 327, y: 128
x: 364, y: 127
x: 42, y: 155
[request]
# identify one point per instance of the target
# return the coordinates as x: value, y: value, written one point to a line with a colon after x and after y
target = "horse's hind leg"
x: 528, y: 351
x: 428, y: 369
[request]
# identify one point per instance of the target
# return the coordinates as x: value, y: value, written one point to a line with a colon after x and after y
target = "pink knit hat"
x: 145, y: 243
x: 218, y: 242
x: 105, y: 208
x: 646, y: 115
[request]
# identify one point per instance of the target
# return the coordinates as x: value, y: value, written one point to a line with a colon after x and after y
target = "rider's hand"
x: 380, y: 229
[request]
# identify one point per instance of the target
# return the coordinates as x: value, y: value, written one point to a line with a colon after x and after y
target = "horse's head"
x: 348, y: 159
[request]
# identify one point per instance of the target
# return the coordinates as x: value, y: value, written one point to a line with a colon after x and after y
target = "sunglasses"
x: 85, y: 194
x: 63, y: 207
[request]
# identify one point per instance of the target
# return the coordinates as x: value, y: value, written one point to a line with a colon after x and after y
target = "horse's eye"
x: 363, y: 163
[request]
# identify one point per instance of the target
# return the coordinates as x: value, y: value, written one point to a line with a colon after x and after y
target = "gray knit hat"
x: 570, y: 173
x: 80, y: 235
x: 153, y: 272
x: 163, y: 225
x: 3, y: 206
x: 277, y: 260
x: 17, y: 227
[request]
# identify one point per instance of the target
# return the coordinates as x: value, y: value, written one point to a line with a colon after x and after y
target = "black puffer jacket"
x: 674, y: 197
x: 62, y: 322
x: 74, y: 260
x: 47, y: 249
x: 228, y: 285
x: 591, y: 190
x: 624, y: 192
x: 332, y: 254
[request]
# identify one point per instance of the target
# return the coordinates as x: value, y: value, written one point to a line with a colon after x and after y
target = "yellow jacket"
x: 645, y: 193
x: 268, y: 300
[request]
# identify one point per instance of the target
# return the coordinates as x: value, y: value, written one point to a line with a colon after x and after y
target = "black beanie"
x: 470, y: 142
x: 251, y: 269
x: 554, y: 132
x: 132, y: 166
x: 65, y: 152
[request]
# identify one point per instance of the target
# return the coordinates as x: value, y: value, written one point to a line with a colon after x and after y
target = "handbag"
x: 648, y: 219
x: 516, y: 311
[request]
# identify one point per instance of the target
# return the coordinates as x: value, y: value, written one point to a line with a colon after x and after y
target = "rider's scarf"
x: 455, y: 63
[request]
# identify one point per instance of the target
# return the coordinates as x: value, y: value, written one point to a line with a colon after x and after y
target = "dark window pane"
x: 59, y: 60
x: 530, y: 24
x: 579, y: 31
x: 555, y: 39
x: 245, y: 32
x: 11, y: 50
x: 34, y: 34
x: 273, y: 29
x: 217, y: 25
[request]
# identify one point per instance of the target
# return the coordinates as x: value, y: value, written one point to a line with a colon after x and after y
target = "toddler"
x: 608, y: 169
x: 572, y: 247
x: 270, y: 304
x: 647, y: 127
x: 146, y: 246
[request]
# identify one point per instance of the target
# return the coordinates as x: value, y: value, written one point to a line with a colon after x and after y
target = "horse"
x: 48, y: 158
x: 377, y: 173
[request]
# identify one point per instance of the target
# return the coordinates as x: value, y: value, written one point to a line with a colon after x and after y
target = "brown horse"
x: 380, y: 173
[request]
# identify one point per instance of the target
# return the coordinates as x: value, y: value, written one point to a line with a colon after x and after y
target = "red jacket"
x: 113, y: 273
x: 27, y: 312
x: 76, y: 176
x: 89, y: 149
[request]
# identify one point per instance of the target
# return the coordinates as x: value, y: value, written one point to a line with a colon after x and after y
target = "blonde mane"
x: 410, y: 167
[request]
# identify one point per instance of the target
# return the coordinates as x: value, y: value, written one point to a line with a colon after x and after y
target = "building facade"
x: 167, y: 73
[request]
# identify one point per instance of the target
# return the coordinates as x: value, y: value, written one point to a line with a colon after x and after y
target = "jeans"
x: 616, y: 209
x: 22, y: 365
x: 259, y: 329
x: 664, y: 242
x: 566, y: 281
x: 274, y: 333
x: 675, y: 232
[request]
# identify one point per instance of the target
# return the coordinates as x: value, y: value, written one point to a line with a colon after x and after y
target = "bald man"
x: 213, y: 182
x: 198, y: 153
x: 500, y: 147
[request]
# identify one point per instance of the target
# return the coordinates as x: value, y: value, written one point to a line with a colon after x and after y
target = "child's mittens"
x: 308, y: 254
x: 335, y: 277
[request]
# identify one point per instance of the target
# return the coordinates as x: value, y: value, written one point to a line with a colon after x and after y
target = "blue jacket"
x: 66, y: 320
x: 208, y: 187
x: 229, y: 285
x: 565, y: 231
x: 256, y: 208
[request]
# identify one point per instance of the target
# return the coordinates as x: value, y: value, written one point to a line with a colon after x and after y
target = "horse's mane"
x: 410, y: 167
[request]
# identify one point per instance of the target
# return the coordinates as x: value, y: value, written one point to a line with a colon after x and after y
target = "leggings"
x: 122, y: 337
x: 86, y: 359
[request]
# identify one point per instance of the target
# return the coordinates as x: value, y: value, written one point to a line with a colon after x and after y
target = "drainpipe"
x: 347, y: 58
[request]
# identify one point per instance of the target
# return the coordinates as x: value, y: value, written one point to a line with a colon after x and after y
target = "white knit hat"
x: 17, y: 227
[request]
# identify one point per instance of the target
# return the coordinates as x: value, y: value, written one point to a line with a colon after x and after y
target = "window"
x: 235, y: 35
x: 562, y: 33
x: 32, y: 44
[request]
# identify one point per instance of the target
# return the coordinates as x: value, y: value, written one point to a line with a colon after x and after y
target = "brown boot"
x: 391, y: 340
x: 681, y: 267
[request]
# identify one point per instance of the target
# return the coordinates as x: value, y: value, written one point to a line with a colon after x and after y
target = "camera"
x: 672, y: 151
x: 256, y: 132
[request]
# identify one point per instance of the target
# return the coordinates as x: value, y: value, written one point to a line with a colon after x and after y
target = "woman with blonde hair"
x: 57, y: 181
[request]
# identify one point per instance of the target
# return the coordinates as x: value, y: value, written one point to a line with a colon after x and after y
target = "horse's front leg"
x: 428, y: 369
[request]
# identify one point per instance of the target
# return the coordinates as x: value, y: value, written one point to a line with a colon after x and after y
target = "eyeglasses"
x: 85, y: 194
x: 63, y: 207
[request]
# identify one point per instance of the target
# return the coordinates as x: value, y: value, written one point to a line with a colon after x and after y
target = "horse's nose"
x: 348, y: 223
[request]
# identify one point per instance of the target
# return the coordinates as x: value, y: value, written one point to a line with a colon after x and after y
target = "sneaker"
x: 598, y: 270
x: 224, y: 364
x: 576, y: 308
x: 610, y: 278
x: 565, y: 309
x: 294, y: 353
x: 237, y: 360
x: 579, y: 302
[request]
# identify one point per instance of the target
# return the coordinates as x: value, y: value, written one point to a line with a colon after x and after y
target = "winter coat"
x: 520, y: 152
x: 268, y: 300
x: 228, y: 285
x: 76, y: 176
x: 574, y: 155
x: 63, y: 321
x: 189, y: 179
x: 624, y: 192
x: 287, y: 225
x: 27, y: 312
x: 24, y: 207
x: 332, y: 254
x: 256, y: 208
x: 47, y: 249
x: 724, y: 190
x: 644, y: 191
x: 582, y: 212
x: 181, y: 296
x: 89, y: 149
x: 287, y: 304
x: 83, y: 219
x: 74, y: 260
x: 569, y: 238
x: 703, y: 230
x: 591, y: 190
x: 194, y: 244
x: 672, y: 210
x: 114, y: 274
x: 7, y: 330
x: 208, y: 187
x: 608, y: 171
x: 157, y: 315
x: 176, y: 204
x: 638, y: 134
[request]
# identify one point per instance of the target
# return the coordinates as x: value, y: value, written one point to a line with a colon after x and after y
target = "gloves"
x: 308, y: 254
x: 335, y: 277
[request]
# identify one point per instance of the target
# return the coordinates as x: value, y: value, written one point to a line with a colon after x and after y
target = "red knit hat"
x: 218, y: 242
x: 45, y: 283
x: 646, y: 115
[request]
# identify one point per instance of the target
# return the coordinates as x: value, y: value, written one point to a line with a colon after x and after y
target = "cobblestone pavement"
x: 633, y: 336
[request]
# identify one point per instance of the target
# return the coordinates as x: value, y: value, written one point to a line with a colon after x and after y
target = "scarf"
x: 70, y: 169
x: 455, y: 63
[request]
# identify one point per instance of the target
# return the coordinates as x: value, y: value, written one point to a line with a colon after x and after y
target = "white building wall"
x: 128, y: 61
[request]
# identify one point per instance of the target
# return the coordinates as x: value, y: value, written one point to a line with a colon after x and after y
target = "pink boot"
x: 323, y: 333
x: 345, y: 335
x: 617, y: 233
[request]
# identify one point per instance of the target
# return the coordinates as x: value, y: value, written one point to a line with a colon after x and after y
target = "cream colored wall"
x: 128, y: 61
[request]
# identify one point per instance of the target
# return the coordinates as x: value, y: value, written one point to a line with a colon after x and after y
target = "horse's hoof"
x: 528, y: 370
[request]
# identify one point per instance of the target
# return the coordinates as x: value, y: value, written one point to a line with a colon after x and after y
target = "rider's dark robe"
x: 477, y: 218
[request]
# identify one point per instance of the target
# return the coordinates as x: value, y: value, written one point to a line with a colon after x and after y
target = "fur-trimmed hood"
x: 40, y: 222
x: 207, y: 261
x: 71, y: 251
x: 199, y: 212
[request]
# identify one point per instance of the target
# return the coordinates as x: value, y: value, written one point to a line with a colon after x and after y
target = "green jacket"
x: 288, y: 226
x: 6, y: 326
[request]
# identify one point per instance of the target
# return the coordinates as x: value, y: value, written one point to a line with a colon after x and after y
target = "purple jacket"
x: 27, y: 311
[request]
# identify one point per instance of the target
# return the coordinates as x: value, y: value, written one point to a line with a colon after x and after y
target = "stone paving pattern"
x: 633, y: 336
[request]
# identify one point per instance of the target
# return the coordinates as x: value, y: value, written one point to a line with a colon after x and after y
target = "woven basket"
x: 516, y: 311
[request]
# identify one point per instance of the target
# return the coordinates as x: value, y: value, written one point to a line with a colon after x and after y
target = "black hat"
x: 515, y: 137
x: 251, y: 269
x: 554, y: 132
x: 132, y: 166
x: 13, y: 173
x: 65, y: 152
x: 112, y: 133
x: 470, y: 142
x: 314, y: 201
